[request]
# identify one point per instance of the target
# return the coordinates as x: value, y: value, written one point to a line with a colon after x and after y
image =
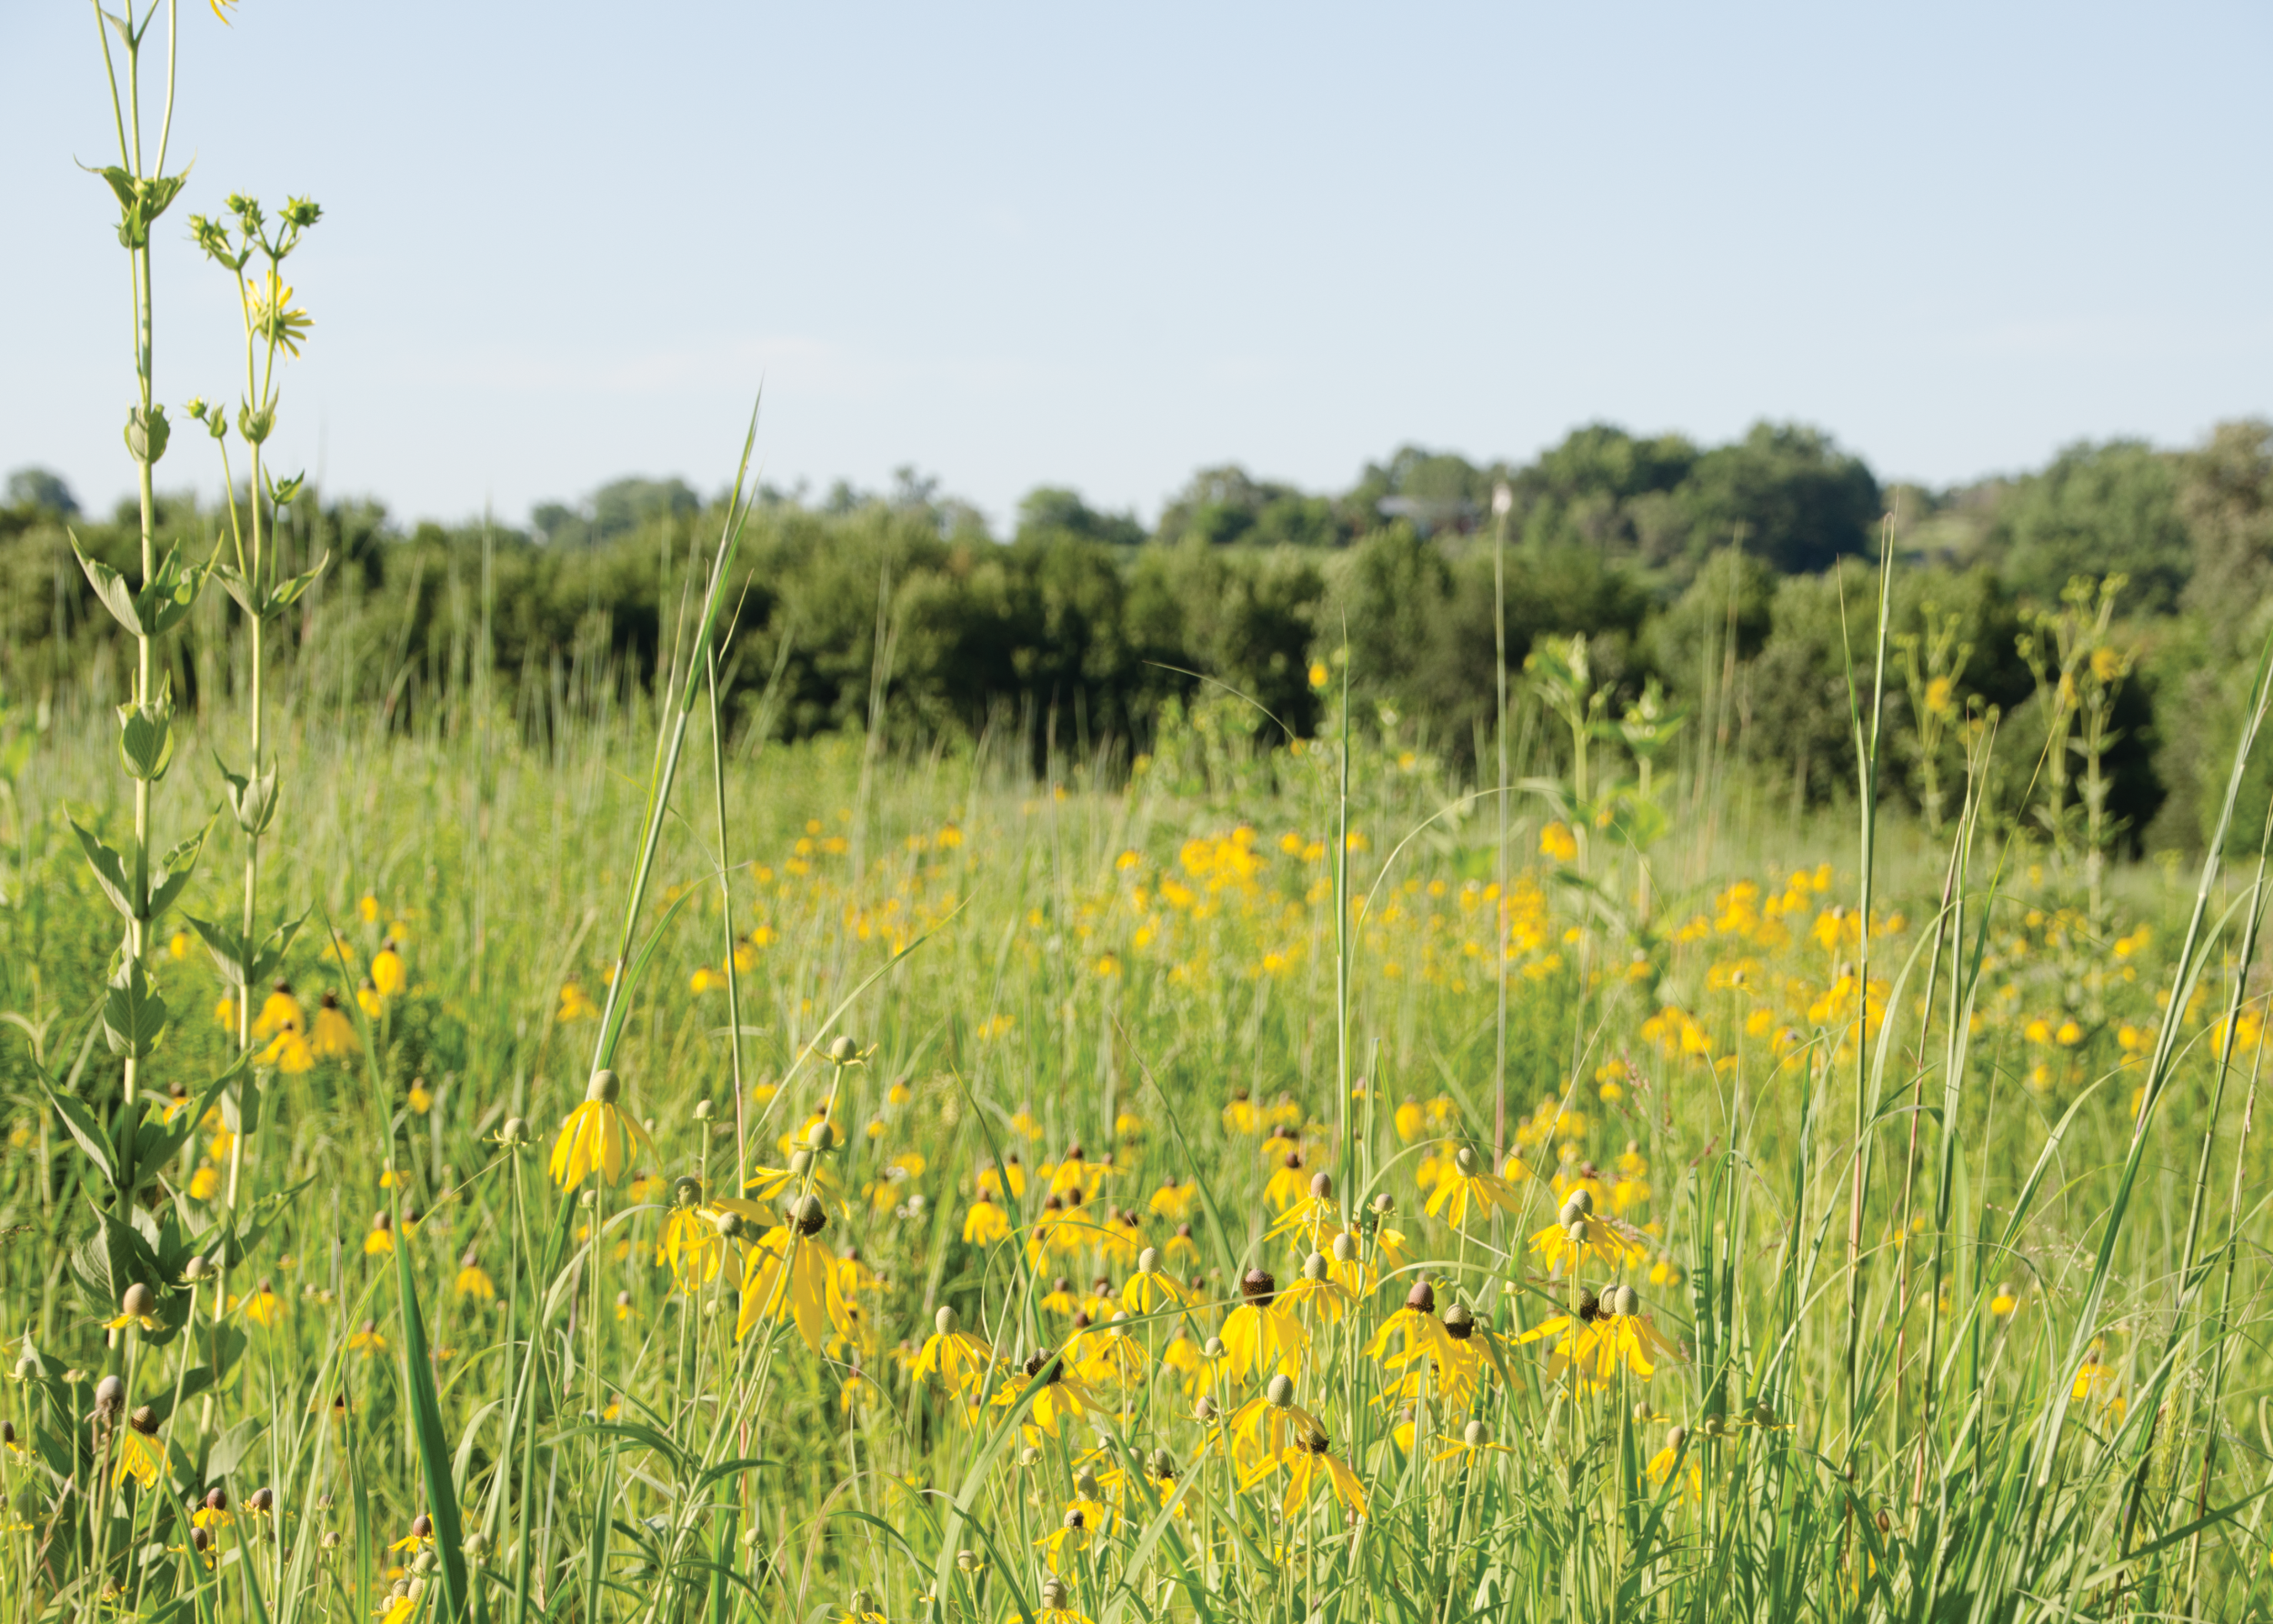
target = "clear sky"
x: 1102, y: 246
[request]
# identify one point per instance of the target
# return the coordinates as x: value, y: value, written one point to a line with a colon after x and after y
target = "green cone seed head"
x: 1476, y: 1434
x: 1625, y: 1300
x: 1086, y: 1483
x: 1466, y: 1160
x: 1582, y: 1198
x: 808, y: 1214
x: 947, y: 1321
x: 800, y: 1163
x: 687, y: 1190
x: 1149, y: 1261
x: 1314, y: 1267
x: 1322, y: 1186
x: 604, y: 1088
x: 138, y: 1301
x: 1577, y: 1230
x: 822, y: 1137
x: 1676, y: 1437
x: 1345, y: 1248
x: 842, y: 1049
x: 1281, y: 1390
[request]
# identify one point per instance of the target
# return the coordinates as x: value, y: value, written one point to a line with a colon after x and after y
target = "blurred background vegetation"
x: 1719, y: 574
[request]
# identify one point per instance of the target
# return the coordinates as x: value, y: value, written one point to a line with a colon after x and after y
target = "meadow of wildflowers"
x: 625, y: 1171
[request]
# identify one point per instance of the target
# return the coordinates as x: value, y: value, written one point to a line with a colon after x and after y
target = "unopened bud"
x: 821, y: 1136
x: 842, y: 1049
x: 137, y: 1301
x: 1581, y: 1200
x: 1476, y: 1434
x: 1466, y: 1160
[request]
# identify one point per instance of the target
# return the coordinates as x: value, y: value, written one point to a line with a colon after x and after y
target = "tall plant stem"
x: 1500, y: 915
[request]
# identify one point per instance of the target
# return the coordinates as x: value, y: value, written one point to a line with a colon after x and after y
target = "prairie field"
x: 1664, y: 1033
x: 1077, y: 1192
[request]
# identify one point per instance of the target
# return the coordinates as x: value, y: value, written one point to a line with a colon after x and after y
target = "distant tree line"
x: 1720, y: 574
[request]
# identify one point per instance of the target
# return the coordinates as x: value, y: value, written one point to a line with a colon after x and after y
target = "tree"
x: 2225, y: 499
x: 1225, y: 504
x: 1050, y: 511
x: 1802, y: 501
x: 2098, y: 510
x: 42, y: 491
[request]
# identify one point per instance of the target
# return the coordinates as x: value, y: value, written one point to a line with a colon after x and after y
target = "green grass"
x: 642, y: 1462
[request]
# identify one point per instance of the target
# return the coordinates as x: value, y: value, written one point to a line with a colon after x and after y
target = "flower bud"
x: 263, y: 1500
x: 1203, y: 1410
x: 422, y: 1526
x: 1280, y: 1391
x: 331, y: 1538
x: 1577, y: 1231
x: 947, y: 1321
x: 1212, y: 1349
x: 604, y: 1088
x: 687, y: 1190
x: 110, y: 1393
x: 138, y: 1302
x: 702, y: 1110
x: 1476, y: 1434
x: 1314, y: 1267
x: 1163, y: 1465
x: 1676, y: 1437
x: 515, y: 1132
x: 842, y: 1049
x: 196, y: 1269
x: 821, y: 1136
x: 1030, y: 1455
x: 967, y: 1560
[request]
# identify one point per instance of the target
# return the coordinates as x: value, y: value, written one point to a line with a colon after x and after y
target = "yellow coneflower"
x: 705, y: 979
x: 790, y: 1273
x: 137, y: 1306
x: 280, y: 1011
x: 1260, y: 1333
x: 224, y: 1013
x: 368, y: 1000
x: 598, y: 1135
x: 1607, y: 1332
x: 1181, y: 1247
x: 1313, y: 1219
x: 1068, y: 1539
x: 1173, y: 1200
x: 1473, y: 1446
x: 264, y: 1307
x: 333, y: 1037
x: 991, y: 1178
x: 420, y: 1099
x: 2096, y: 1382
x: 1308, y: 1462
x: 1262, y: 1427
x: 953, y: 1355
x: 1663, y: 1464
x: 575, y: 1005
x: 205, y: 1182
x: 1106, y: 1353
x: 473, y: 1280
x: 1151, y: 1286
x: 380, y: 1241
x: 1468, y: 1187
x: 140, y: 1454
x: 288, y: 1052
x: 1407, y: 1120
x: 1316, y: 1289
x: 985, y: 1224
x: 368, y: 1341
x: 1059, y: 1394
x: 387, y: 969
x: 1060, y: 1299
x: 1577, y: 1236
x: 367, y: 908
x: 1243, y: 1114
x: 1417, y: 1329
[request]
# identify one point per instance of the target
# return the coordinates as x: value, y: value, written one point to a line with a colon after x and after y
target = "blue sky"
x: 1102, y: 246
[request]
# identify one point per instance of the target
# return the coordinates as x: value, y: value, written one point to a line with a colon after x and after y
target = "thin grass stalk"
x: 1501, y: 502
x: 726, y: 905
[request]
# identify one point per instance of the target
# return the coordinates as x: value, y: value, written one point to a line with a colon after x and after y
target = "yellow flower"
x: 1058, y: 1395
x: 140, y: 1455
x: 279, y: 1012
x: 1173, y: 1201
x: 367, y: 999
x: 954, y: 1355
x: 1409, y: 1121
x: 367, y: 908
x: 368, y: 1341
x: 1579, y: 1236
x: 598, y: 1135
x: 224, y: 1013
x: 387, y: 969
x: 1605, y: 1333
x: 985, y: 1224
x: 1467, y: 1187
x: 703, y: 979
x: 1317, y: 674
x: 1264, y: 1425
x: 1557, y: 842
x: 205, y: 1182
x: 1150, y: 1287
x: 264, y: 1307
x: 575, y: 1005
x: 289, y: 1052
x: 380, y: 1241
x: 1260, y: 1334
x: 269, y: 312
x: 1940, y: 699
x: 420, y: 1099
x: 1287, y: 1183
x: 473, y: 1281
x: 1307, y: 1463
x: 1664, y: 1462
x: 334, y: 1038
x: 791, y: 1273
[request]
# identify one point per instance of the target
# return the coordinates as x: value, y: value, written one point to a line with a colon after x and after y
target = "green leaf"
x: 228, y: 950
x: 81, y: 1125
x: 145, y: 740
x: 171, y: 875
x: 288, y: 592
x: 434, y: 1448
x: 110, y: 870
x: 134, y: 1015
x: 111, y: 586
